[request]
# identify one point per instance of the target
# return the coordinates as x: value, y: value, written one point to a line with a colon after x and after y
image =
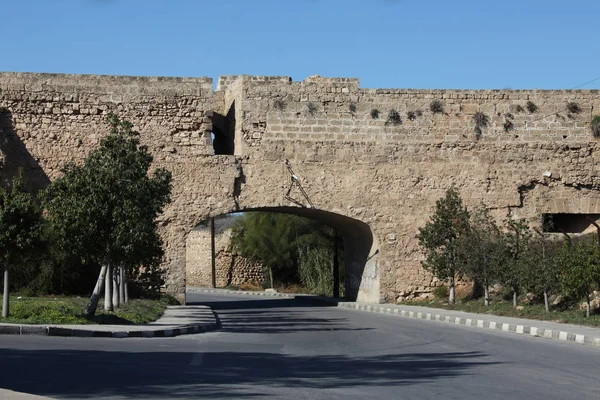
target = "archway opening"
x: 338, y: 259
x: 569, y: 222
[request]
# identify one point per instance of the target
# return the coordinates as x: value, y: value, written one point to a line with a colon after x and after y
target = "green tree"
x: 268, y: 238
x: 105, y: 209
x: 482, y: 250
x: 283, y: 242
x: 518, y: 240
x: 543, y: 272
x: 439, y: 238
x: 580, y: 270
x: 20, y: 227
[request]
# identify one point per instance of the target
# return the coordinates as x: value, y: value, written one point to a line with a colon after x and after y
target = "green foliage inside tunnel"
x: 293, y: 250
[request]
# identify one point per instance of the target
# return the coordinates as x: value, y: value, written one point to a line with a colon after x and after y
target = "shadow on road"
x: 185, y: 374
x: 261, y: 303
x: 275, y: 316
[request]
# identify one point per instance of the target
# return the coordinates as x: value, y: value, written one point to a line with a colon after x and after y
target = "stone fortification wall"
x: 374, y: 178
x: 54, y: 118
x: 389, y: 175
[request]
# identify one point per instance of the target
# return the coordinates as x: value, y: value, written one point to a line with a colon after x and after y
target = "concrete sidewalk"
x: 6, y: 394
x: 545, y: 329
x: 177, y: 320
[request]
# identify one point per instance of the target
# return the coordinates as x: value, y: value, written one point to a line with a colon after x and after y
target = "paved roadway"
x: 284, y: 348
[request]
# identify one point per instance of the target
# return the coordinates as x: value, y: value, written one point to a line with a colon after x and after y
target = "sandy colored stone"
x: 376, y: 183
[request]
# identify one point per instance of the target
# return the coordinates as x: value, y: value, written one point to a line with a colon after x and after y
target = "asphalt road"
x: 283, y: 348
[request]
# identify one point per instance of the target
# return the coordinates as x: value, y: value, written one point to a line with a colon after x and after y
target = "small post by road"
x: 212, y: 252
x: 336, y: 269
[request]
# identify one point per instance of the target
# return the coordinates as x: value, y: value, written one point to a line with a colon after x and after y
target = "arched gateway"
x: 372, y: 162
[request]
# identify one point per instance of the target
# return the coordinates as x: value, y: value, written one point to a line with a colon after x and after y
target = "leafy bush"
x: 279, y: 104
x: 596, y: 126
x: 375, y: 113
x: 531, y: 107
x: 481, y: 122
x: 508, y: 125
x: 411, y: 115
x: 436, y: 107
x: 440, y: 292
x: 314, y: 270
x: 573, y: 107
x: 394, y: 118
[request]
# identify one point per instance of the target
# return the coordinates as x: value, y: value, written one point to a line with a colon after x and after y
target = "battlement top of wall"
x: 104, y: 84
x: 225, y: 81
x: 353, y: 84
x: 449, y: 92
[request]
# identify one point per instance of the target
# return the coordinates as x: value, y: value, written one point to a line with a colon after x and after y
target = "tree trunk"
x: 126, y: 290
x: 515, y: 299
x: 451, y: 292
x: 486, y: 289
x: 271, y: 277
x: 116, y: 291
x: 336, y: 269
x: 122, y: 284
x: 90, y: 311
x: 108, y: 304
x: 587, y: 305
x: 5, y: 305
x: 546, y: 303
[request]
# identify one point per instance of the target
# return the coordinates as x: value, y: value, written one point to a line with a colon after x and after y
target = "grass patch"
x: 69, y: 310
x: 505, y: 309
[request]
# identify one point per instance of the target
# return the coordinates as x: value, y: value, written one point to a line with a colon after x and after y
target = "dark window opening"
x: 222, y: 144
x: 223, y: 132
x: 568, y: 223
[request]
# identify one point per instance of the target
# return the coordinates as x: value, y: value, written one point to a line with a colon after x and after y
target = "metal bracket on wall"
x: 295, y: 182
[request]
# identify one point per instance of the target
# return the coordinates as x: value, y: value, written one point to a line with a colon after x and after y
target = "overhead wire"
x: 566, y: 109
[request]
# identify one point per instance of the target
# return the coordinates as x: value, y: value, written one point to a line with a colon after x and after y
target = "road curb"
x: 242, y: 292
x: 85, y: 333
x: 527, y: 330
x: 166, y: 326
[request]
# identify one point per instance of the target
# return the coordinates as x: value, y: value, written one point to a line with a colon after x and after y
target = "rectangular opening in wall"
x: 569, y: 223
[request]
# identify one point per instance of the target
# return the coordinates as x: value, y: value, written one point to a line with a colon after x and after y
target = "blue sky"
x: 473, y: 44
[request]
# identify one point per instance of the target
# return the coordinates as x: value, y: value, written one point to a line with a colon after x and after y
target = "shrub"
x: 481, y: 122
x: 573, y: 108
x: 436, y: 107
x: 312, y: 109
x: 440, y: 292
x: 314, y: 269
x: 596, y: 126
x: 419, y: 113
x: 411, y: 115
x: 279, y: 104
x: 519, y: 108
x: 352, y: 108
x: 508, y: 125
x: 394, y: 118
x: 375, y: 113
x: 531, y: 107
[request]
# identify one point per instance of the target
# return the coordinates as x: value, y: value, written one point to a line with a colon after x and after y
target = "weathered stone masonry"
x: 374, y: 179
